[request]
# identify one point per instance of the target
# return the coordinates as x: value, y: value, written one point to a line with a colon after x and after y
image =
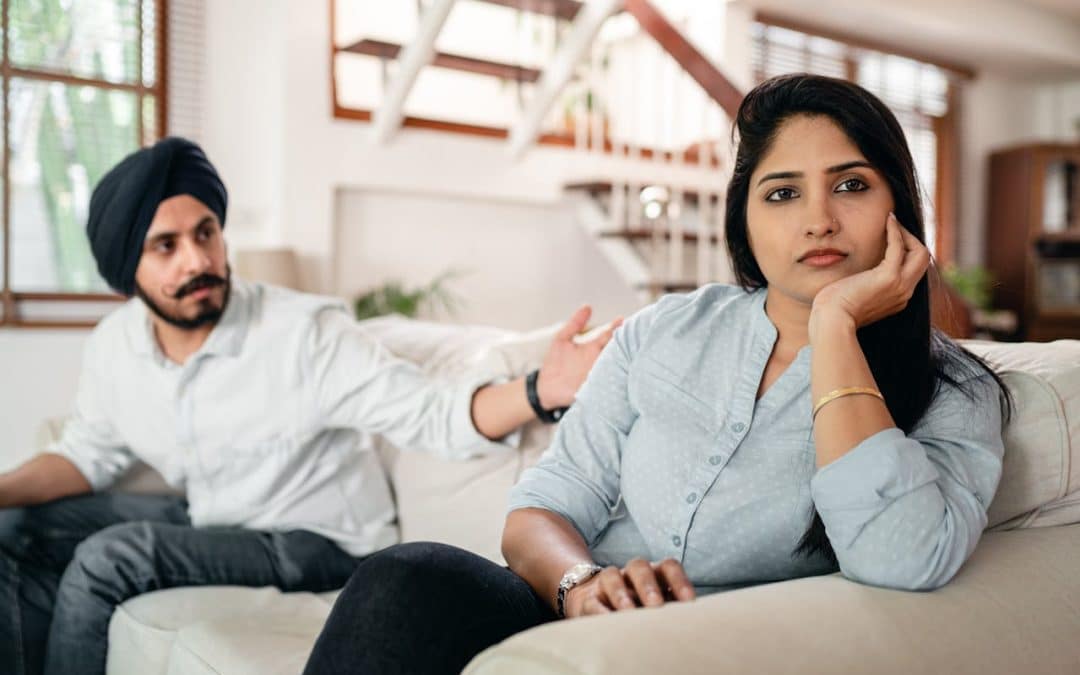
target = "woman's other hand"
x: 639, y: 584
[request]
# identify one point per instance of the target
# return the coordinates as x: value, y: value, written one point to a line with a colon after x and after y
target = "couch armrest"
x: 1015, y: 607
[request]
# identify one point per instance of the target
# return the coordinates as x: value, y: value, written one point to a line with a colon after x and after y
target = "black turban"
x: 125, y: 200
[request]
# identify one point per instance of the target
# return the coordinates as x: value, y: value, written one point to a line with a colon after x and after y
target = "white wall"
x: 39, y: 371
x: 243, y: 114
x: 525, y: 265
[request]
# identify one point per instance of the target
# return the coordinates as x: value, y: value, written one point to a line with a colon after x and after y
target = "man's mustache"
x: 197, y: 284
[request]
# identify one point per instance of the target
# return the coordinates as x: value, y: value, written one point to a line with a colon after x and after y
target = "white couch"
x: 1014, y: 607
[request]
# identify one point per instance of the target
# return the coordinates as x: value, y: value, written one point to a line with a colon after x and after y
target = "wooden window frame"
x: 946, y: 128
x: 11, y: 299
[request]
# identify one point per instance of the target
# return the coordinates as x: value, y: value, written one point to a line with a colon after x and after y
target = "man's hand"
x: 568, y: 362
x: 639, y: 584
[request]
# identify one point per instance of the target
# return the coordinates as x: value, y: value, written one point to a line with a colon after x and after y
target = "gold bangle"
x: 840, y: 393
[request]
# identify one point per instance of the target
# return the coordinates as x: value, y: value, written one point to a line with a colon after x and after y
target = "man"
x: 258, y: 402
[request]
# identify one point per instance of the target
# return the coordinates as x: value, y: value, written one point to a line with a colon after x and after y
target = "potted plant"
x: 393, y: 298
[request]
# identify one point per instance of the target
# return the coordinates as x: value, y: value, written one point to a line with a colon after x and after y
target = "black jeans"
x: 423, y: 609
x: 66, y: 565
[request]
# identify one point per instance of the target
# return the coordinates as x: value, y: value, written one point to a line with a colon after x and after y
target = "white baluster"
x: 658, y: 100
x: 617, y: 212
x: 631, y: 104
x: 704, y: 245
x: 581, y: 125
x: 596, y: 118
x: 675, y: 213
x: 721, y: 264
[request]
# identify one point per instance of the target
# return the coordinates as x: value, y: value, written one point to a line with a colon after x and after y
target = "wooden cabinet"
x: 1033, y: 238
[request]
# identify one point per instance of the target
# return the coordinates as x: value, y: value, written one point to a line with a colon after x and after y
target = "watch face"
x: 578, y: 573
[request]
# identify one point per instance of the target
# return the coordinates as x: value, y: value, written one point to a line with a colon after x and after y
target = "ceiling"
x: 1021, y: 38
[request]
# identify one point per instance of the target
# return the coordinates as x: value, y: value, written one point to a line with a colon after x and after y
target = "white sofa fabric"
x: 1015, y: 606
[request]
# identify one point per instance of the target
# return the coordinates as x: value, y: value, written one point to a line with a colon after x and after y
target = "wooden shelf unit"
x: 1018, y: 246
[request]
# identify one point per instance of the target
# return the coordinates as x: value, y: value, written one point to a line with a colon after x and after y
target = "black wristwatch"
x: 546, y: 416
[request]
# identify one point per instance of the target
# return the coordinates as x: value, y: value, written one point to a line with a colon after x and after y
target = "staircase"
x: 614, y: 81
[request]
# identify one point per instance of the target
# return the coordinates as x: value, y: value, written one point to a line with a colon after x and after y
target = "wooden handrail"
x: 598, y: 187
x: 657, y: 287
x: 715, y: 83
x: 66, y: 296
x: 561, y: 9
x: 645, y: 234
x: 390, y: 50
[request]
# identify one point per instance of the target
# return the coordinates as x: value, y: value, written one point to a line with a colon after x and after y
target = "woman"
x: 805, y: 421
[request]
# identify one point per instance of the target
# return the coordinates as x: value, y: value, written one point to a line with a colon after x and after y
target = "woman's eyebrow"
x: 778, y: 175
x: 849, y: 165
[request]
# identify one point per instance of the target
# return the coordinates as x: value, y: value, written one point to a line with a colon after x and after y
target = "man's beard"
x: 207, y: 316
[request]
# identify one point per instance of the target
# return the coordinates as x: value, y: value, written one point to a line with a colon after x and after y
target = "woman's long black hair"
x: 907, y: 357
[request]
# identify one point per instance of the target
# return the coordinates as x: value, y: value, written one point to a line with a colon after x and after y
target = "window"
x: 916, y: 91
x: 82, y: 87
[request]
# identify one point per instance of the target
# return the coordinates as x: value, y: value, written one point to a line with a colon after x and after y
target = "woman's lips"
x: 823, y: 260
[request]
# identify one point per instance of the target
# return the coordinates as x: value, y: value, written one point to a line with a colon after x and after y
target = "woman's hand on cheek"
x: 876, y: 293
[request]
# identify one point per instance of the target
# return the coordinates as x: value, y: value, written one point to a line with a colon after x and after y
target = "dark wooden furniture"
x: 1033, y: 238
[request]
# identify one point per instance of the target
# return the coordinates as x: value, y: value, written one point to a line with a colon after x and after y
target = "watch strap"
x: 546, y: 416
x: 568, y: 584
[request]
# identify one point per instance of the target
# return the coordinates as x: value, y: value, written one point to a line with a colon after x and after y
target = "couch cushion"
x: 464, y: 502
x: 144, y: 630
x: 1011, y: 609
x: 1040, y: 481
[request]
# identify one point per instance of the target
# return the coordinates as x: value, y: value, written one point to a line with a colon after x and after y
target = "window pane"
x: 88, y: 38
x: 779, y: 51
x: 149, y: 113
x: 2, y: 228
x: 149, y: 42
x: 63, y: 139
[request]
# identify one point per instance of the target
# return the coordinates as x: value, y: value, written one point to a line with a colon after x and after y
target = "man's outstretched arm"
x: 499, y: 409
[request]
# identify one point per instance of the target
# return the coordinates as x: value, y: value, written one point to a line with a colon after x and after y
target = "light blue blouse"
x: 667, y: 453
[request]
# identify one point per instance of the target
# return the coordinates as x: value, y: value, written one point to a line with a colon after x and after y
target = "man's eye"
x: 165, y: 247
x: 781, y: 195
x: 852, y: 185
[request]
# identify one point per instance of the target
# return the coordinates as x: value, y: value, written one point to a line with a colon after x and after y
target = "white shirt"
x: 268, y: 426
